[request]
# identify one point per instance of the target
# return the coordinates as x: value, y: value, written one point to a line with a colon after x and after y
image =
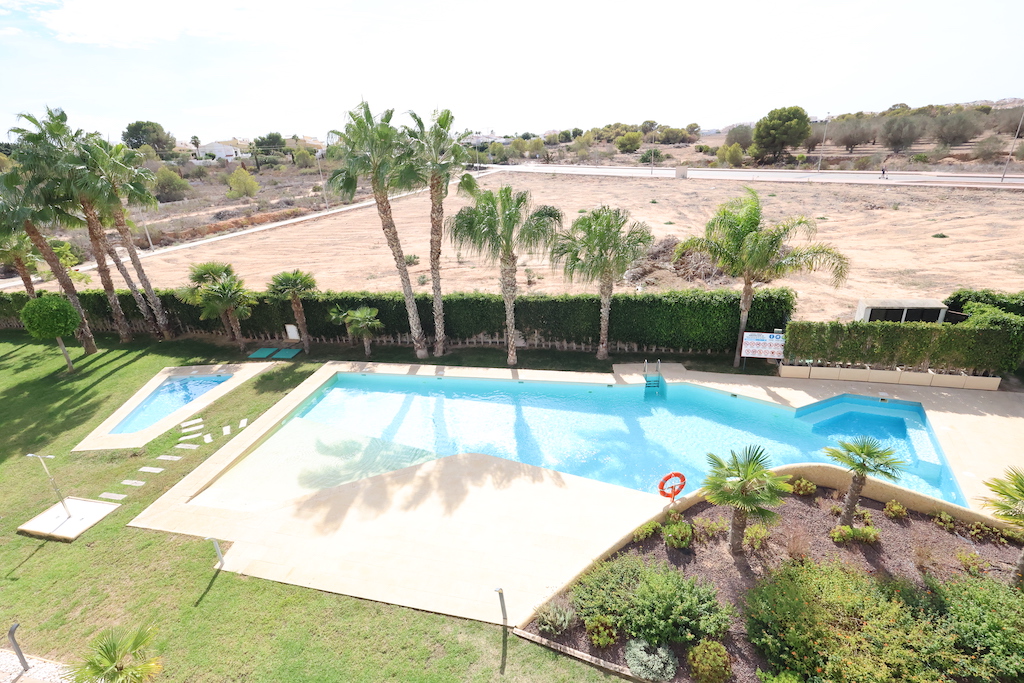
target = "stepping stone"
x: 168, y: 457
x: 190, y: 446
x: 243, y: 423
x: 226, y: 430
x: 190, y: 436
x: 133, y: 482
x: 189, y: 430
x: 207, y: 438
x: 188, y: 423
x: 113, y: 496
x: 151, y: 470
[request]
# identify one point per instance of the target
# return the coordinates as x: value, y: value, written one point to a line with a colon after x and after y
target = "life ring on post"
x: 675, y: 489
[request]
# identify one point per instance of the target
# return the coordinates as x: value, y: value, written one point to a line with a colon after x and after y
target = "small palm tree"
x: 219, y: 293
x: 597, y: 249
x: 864, y: 456
x: 293, y: 285
x: 16, y: 250
x: 498, y: 227
x: 119, y: 655
x: 200, y: 274
x: 743, y: 246
x: 1008, y: 505
x: 361, y: 323
x: 744, y: 483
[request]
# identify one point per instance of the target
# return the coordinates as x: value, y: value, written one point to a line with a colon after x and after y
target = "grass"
x: 213, y: 626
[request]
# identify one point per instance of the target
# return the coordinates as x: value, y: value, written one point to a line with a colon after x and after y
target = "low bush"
x: 803, y: 487
x: 645, y: 531
x: 677, y: 534
x: 651, y: 662
x: 601, y: 630
x: 781, y: 677
x: 944, y: 521
x: 709, y: 662
x: 755, y: 536
x: 704, y: 530
x: 607, y: 589
x: 852, y: 534
x: 919, y: 158
x: 555, y: 617
x: 895, y: 510
x: 972, y: 563
x: 411, y: 260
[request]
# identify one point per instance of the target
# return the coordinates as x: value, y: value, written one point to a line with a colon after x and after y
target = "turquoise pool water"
x: 173, y: 393
x: 625, y: 435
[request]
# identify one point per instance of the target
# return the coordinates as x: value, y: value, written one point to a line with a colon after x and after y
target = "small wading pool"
x: 357, y: 426
x: 173, y: 393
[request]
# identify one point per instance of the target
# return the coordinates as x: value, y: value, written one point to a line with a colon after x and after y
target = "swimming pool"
x: 172, y: 394
x: 356, y: 426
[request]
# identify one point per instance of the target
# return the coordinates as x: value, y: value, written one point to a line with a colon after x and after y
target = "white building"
x: 220, y: 150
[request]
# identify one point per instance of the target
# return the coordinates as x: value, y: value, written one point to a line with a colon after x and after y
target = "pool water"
x: 173, y: 393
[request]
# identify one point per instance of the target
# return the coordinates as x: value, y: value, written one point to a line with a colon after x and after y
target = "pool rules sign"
x: 763, y: 345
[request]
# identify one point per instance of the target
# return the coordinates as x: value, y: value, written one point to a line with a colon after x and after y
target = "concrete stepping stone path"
x: 207, y: 438
x: 226, y: 430
x: 189, y: 446
x: 151, y: 470
x: 113, y: 496
x: 189, y: 423
x: 168, y: 457
x: 133, y: 482
x: 243, y: 423
x: 190, y: 436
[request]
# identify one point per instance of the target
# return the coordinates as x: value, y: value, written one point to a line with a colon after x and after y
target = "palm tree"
x: 439, y: 156
x: 373, y: 148
x: 1008, y: 506
x: 293, y: 285
x: 205, y: 273
x: 498, y: 227
x: 595, y: 248
x: 361, y: 323
x: 744, y: 483
x: 219, y: 293
x: 16, y: 250
x: 743, y: 246
x: 119, y: 655
x: 864, y: 455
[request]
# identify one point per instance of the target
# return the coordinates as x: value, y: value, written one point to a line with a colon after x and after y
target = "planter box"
x: 855, y: 374
x: 797, y: 371
x: 884, y: 376
x: 825, y: 373
x: 920, y: 379
x: 951, y: 381
x: 986, y: 383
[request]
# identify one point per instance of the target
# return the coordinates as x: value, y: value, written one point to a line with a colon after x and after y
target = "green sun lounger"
x: 285, y: 354
x: 262, y: 353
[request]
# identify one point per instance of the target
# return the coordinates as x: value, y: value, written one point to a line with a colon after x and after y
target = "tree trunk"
x: 225, y: 320
x: 236, y: 329
x: 140, y: 301
x: 84, y: 332
x: 26, y: 277
x: 99, y: 248
x: 387, y: 222
x: 852, y: 498
x: 606, y: 310
x: 300, y: 321
x: 508, y: 295
x: 437, y: 187
x: 154, y: 301
x: 67, y: 358
x: 1018, y: 569
x: 736, y: 531
x: 366, y: 346
x: 746, y: 298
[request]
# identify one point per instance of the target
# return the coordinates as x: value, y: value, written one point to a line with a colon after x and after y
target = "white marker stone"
x: 192, y: 422
x: 226, y: 430
x: 151, y: 470
x: 243, y: 423
x: 207, y: 438
x: 190, y: 446
x: 133, y: 482
x: 113, y: 496
x: 168, y: 457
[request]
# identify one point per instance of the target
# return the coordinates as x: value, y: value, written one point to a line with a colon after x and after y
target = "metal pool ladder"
x: 653, y: 381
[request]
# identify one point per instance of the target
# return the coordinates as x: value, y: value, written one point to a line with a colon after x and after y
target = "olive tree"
x: 51, y: 317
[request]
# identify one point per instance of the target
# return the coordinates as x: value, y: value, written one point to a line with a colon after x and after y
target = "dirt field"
x: 886, y: 231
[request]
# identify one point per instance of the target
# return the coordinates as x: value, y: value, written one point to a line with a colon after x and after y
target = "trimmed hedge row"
x: 915, y: 346
x: 1005, y: 301
x: 689, y: 319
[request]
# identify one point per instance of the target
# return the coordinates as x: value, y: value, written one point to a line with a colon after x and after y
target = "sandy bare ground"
x: 886, y: 231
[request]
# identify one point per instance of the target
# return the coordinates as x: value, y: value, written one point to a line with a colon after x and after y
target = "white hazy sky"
x: 222, y: 68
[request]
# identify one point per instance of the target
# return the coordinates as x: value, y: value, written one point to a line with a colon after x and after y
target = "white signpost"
x: 763, y: 345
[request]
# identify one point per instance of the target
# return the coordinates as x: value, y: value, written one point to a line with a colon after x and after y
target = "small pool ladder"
x: 653, y: 381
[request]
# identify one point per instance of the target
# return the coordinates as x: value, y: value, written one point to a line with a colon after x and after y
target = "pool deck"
x: 443, y: 535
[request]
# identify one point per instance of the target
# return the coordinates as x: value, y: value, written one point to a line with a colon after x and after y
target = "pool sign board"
x: 762, y: 345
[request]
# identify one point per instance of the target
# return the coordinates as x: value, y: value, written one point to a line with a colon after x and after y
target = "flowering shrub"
x: 709, y: 662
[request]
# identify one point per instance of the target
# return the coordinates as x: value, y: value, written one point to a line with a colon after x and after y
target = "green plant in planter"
x: 845, y: 534
x: 677, y: 534
x: 601, y: 630
x: 945, y: 521
x: 555, y: 617
x: 803, y: 487
x: 645, y: 531
x: 655, y: 663
x: 709, y: 662
x: 756, y: 536
x: 895, y: 510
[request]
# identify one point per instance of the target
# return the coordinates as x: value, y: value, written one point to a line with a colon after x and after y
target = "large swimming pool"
x: 173, y: 393
x: 356, y: 426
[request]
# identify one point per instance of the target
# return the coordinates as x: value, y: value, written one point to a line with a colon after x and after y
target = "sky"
x: 224, y: 68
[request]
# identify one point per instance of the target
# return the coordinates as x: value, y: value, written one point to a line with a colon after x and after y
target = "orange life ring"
x: 675, y: 489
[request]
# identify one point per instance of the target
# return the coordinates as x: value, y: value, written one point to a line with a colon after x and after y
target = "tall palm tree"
x: 439, y: 155
x: 744, y: 483
x: 1008, y: 505
x: 361, y: 323
x: 16, y: 250
x: 744, y: 246
x: 864, y: 456
x: 207, y: 272
x: 370, y: 147
x: 498, y: 227
x: 595, y: 248
x: 293, y: 285
x: 226, y: 298
x: 119, y: 655
x: 140, y: 300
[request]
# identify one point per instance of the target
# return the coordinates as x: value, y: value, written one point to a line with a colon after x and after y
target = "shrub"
x: 781, y: 677
x: 895, y: 510
x: 972, y: 563
x: 990, y: 148
x: 629, y: 142
x: 421, y: 280
x: 709, y: 662
x: 846, y: 534
x: 650, y: 155
x: 607, y: 589
x: 705, y: 529
x: 303, y: 159
x: 835, y: 510
x: 803, y: 487
x: 669, y: 608
x: 411, y: 260
x: 756, y: 536
x: 651, y: 662
x: 919, y: 158
x: 645, y: 531
x: 601, y: 630
x: 169, y: 186
x: 944, y: 520
x: 242, y: 184
x: 862, y: 163
x: 555, y: 617
x: 677, y: 534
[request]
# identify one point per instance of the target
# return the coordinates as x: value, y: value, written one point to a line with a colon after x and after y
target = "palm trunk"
x: 99, y: 248
x: 154, y: 301
x: 236, y: 329
x: 84, y: 331
x: 1018, y: 569
x: 605, y: 291
x: 140, y: 301
x: 746, y: 298
x: 852, y: 498
x: 508, y: 295
x: 736, y: 531
x: 64, y: 350
x: 225, y: 320
x: 437, y: 187
x: 387, y: 222
x: 300, y: 321
x: 366, y: 346
x: 26, y: 277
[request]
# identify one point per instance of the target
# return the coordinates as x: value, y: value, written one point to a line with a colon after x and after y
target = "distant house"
x: 478, y: 139
x: 305, y: 141
x: 183, y: 147
x: 220, y: 150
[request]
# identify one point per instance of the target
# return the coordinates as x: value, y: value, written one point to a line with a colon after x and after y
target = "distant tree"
x: 527, y: 136
x: 957, y: 128
x: 582, y: 144
x: 499, y: 153
x: 565, y: 136
x: 195, y: 143
x: 816, y: 137
x: 864, y: 456
x: 51, y: 317
x: 535, y: 147
x: 734, y: 155
x: 361, y: 323
x: 16, y: 250
x: 630, y: 142
x: 741, y: 135
x: 517, y: 147
x: 149, y: 133
x: 896, y: 108
x: 1006, y: 121
x: 674, y: 136
x: 693, y: 129
x: 1008, y: 505
x: 551, y: 139
x: 271, y: 143
x: 169, y: 186
x: 782, y: 128
x: 293, y: 285
x: 850, y: 133
x: 5, y: 162
x: 989, y: 148
x: 576, y: 132
x: 242, y: 184
x: 303, y: 159
x: 119, y: 655
x: 648, y: 127
x: 148, y: 153
x: 900, y: 132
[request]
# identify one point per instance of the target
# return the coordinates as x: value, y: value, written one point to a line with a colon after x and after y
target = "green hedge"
x: 887, y: 345
x: 1005, y: 301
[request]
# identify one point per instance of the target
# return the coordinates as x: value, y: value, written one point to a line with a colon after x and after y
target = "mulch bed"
x: 905, y: 548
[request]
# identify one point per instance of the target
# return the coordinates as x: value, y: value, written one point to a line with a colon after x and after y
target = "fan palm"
x: 370, y: 147
x: 361, y: 323
x: 219, y: 293
x: 498, y: 227
x: 864, y: 456
x: 439, y: 155
x: 597, y: 249
x: 743, y: 246
x: 204, y: 273
x: 1008, y: 505
x: 16, y: 250
x: 744, y: 483
x: 293, y: 285
x: 119, y: 655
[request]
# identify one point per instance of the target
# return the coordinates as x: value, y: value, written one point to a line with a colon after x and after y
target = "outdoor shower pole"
x: 17, y: 648
x: 60, y: 496
x: 1013, y: 145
